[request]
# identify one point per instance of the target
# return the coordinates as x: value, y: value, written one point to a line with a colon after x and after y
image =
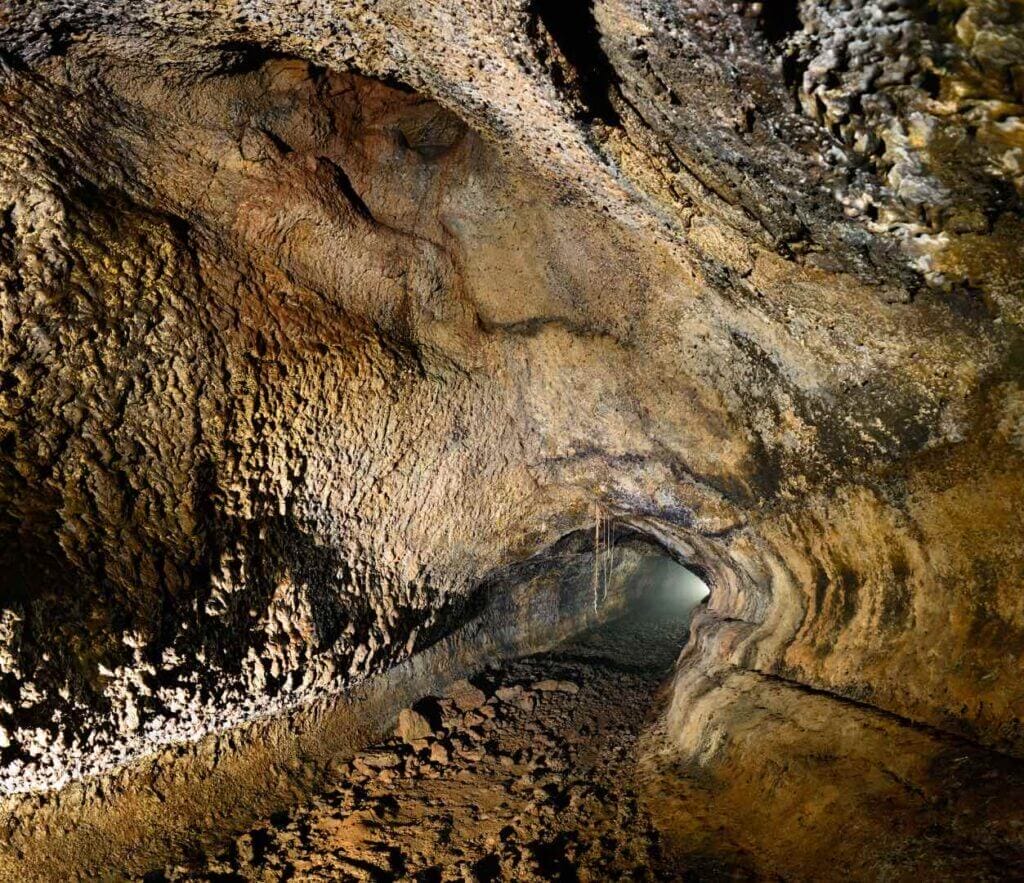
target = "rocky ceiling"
x: 320, y: 316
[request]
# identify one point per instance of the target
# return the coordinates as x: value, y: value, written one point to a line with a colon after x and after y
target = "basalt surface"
x: 526, y: 774
x: 334, y: 332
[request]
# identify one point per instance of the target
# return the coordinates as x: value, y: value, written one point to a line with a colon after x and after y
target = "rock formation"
x: 329, y: 328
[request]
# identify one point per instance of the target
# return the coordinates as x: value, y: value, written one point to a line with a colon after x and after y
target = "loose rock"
x: 412, y: 726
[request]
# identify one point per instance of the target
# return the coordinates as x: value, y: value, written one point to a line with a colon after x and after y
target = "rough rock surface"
x: 536, y: 784
x: 562, y: 774
x: 320, y: 317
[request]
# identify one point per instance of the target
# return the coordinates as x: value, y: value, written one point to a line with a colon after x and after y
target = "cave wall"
x: 318, y: 316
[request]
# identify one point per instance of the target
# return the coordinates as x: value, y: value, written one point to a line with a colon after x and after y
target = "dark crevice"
x: 589, y: 74
x: 241, y: 57
x: 777, y: 22
x: 282, y: 146
x: 935, y: 732
x: 780, y: 20
x: 344, y: 184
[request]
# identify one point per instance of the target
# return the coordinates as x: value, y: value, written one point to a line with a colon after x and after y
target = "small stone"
x: 380, y: 760
x: 439, y: 753
x: 245, y: 849
x: 340, y: 769
x: 553, y: 686
x: 472, y: 719
x: 509, y: 694
x: 466, y: 696
x: 412, y: 726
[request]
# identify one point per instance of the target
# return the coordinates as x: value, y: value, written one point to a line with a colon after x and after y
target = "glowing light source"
x: 663, y: 581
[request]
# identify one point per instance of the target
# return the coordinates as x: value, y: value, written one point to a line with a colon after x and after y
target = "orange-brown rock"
x: 340, y: 342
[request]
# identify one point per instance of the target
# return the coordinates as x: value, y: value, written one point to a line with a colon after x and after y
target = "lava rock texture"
x: 529, y: 776
x: 323, y: 319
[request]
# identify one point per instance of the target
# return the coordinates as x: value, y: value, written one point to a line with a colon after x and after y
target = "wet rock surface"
x: 529, y: 775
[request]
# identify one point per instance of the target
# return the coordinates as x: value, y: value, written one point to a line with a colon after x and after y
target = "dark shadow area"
x: 591, y: 75
x: 780, y: 19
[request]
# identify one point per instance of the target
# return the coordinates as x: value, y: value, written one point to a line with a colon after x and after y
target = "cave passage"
x: 667, y: 584
x: 526, y: 771
x: 386, y: 387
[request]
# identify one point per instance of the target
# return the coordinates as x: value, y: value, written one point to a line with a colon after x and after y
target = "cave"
x: 479, y: 440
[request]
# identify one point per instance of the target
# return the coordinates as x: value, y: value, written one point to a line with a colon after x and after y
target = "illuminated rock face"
x: 318, y: 317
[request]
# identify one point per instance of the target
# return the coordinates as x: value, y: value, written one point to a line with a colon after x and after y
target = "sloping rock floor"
x: 527, y: 773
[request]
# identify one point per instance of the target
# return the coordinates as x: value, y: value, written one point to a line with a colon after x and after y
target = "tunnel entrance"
x: 584, y: 579
x: 662, y: 582
x: 649, y: 628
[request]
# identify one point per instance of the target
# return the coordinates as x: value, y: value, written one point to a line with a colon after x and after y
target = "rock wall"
x: 316, y: 316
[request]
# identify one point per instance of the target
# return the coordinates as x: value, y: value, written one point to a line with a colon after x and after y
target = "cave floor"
x: 532, y: 778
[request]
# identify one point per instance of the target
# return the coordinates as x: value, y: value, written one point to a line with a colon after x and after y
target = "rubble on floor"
x: 525, y: 773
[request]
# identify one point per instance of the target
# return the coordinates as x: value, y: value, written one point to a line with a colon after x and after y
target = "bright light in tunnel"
x: 663, y: 581
x: 676, y: 585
